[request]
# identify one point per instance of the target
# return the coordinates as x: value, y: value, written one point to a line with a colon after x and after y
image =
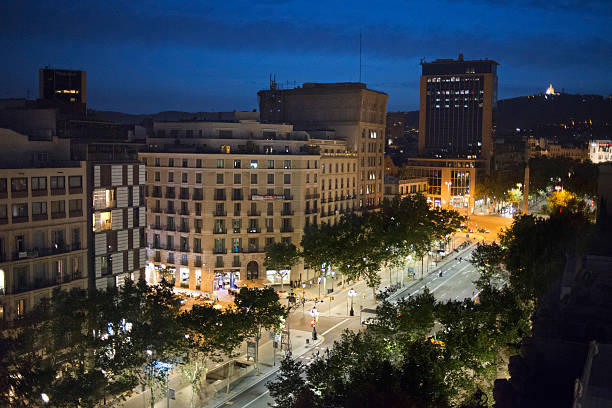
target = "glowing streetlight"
x: 315, y: 318
x: 44, y: 397
x: 352, y: 294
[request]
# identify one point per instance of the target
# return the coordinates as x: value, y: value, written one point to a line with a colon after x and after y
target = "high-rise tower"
x: 458, y: 99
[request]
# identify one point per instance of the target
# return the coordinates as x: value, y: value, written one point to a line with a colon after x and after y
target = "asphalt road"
x: 456, y: 283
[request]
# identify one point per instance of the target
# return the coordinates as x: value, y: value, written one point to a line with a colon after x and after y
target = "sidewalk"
x: 268, y: 365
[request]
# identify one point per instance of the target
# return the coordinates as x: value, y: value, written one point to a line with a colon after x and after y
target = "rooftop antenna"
x: 359, y: 55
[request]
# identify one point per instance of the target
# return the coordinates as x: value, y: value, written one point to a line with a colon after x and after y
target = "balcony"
x: 287, y: 212
x: 219, y: 251
x: 184, y: 228
x: 254, y: 230
x: 270, y: 229
x: 40, y: 252
x: 197, y: 250
x: 156, y: 210
x: 236, y: 250
x: 220, y: 214
x: 220, y: 197
x: 3, y: 220
x: 156, y: 193
x: 312, y: 196
x: 288, y: 197
x: 254, y: 213
x: 170, y: 194
x: 198, y: 196
x: 184, y: 196
x: 237, y: 197
x: 184, y: 211
x: 170, y: 228
x: 236, y: 213
x: 198, y: 230
x: 59, y: 214
x: 286, y: 229
x: 39, y: 193
x: 270, y: 213
x: 55, y: 191
x: 198, y: 263
x: 156, y: 246
x: 255, y: 250
x: 155, y: 227
x: 220, y: 231
x: 170, y: 211
x: 170, y: 248
x: 236, y: 230
x: 75, y: 213
x: 157, y: 258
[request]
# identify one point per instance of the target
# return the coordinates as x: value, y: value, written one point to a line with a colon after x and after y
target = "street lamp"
x: 315, y: 318
x: 45, y: 398
x: 448, y: 185
x: 319, y: 285
x: 333, y: 273
x: 352, y: 294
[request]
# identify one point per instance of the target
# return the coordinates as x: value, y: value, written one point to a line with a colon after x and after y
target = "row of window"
x: 220, y: 178
x: 20, y: 184
x: 236, y: 163
x: 40, y: 209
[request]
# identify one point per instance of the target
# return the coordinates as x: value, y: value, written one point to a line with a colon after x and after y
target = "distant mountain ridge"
x: 524, y: 112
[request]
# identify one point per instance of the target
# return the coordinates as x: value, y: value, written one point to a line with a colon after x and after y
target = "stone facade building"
x: 355, y: 113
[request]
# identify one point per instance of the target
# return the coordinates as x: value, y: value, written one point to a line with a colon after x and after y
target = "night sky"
x: 147, y: 56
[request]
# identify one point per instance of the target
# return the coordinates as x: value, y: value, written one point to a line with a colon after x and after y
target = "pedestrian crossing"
x: 317, y: 352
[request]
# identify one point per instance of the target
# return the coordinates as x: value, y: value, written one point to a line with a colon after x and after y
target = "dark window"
x: 75, y: 181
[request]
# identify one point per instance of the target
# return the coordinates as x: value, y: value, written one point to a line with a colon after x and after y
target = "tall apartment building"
x: 118, y: 215
x: 356, y: 114
x: 43, y: 222
x: 456, y: 117
x: 219, y: 192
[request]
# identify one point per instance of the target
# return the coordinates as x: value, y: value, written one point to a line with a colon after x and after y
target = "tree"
x: 290, y: 389
x: 281, y: 256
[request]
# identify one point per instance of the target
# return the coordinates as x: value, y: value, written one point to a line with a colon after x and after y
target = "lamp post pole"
x: 352, y: 294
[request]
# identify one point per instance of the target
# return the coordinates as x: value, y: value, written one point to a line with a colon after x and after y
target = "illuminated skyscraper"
x: 457, y: 108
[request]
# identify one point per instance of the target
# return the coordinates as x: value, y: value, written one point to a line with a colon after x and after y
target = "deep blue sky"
x: 147, y: 56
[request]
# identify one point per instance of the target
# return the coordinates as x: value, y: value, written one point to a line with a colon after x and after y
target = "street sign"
x: 275, y: 344
x: 171, y: 393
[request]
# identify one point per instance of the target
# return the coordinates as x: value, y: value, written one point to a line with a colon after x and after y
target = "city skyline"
x: 145, y: 58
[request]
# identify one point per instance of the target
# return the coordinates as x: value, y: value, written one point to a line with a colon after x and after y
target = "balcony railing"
x: 184, y: 196
x: 198, y: 196
x: 286, y: 229
x: 220, y: 197
x: 184, y: 212
x: 269, y: 229
x: 156, y: 210
x: 312, y: 196
x: 220, y: 214
x: 170, y: 228
x: 219, y: 251
x: 184, y: 228
x: 254, y: 230
x: 170, y: 247
x: 236, y: 250
x: 170, y: 194
x: 170, y: 211
x: 237, y: 197
x: 287, y: 213
x: 40, y: 252
x: 220, y: 231
x: 197, y: 263
x: 156, y: 193
x: 236, y: 230
x: 254, y: 213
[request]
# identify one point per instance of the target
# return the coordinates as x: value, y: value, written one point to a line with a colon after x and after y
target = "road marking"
x: 333, y: 327
x: 256, y: 398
